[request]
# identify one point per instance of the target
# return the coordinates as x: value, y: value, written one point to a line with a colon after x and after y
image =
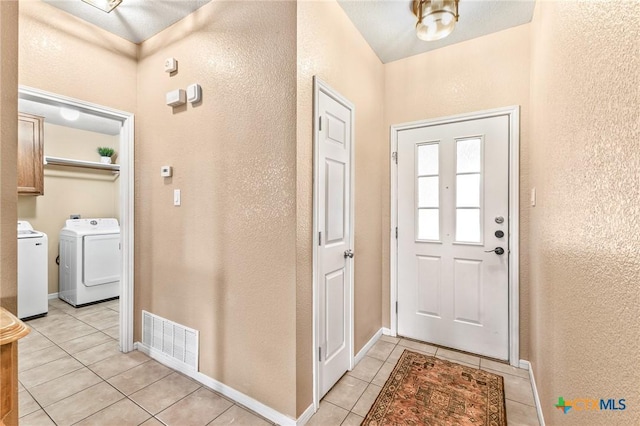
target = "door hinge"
x: 396, y: 232
x: 319, y: 238
x: 396, y: 306
x: 320, y: 123
x: 394, y: 155
x: 319, y: 354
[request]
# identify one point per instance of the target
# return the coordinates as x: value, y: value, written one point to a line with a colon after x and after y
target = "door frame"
x: 513, y: 114
x: 126, y: 158
x: 318, y: 87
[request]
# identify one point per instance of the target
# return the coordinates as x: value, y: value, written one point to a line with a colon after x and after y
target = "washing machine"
x: 89, y: 260
x: 33, y: 279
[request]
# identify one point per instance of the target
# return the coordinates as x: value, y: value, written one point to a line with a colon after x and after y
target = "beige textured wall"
x: 90, y: 193
x: 483, y: 73
x: 8, y: 152
x: 68, y: 56
x: 225, y: 261
x: 584, y: 232
x: 331, y: 47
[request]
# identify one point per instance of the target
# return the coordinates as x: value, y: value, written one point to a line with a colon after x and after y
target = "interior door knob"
x: 348, y: 253
x: 498, y: 250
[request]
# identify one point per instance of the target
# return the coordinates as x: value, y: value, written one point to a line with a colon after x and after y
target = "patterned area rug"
x: 424, y: 390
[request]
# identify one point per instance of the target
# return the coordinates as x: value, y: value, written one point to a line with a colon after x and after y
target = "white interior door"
x: 453, y: 222
x: 334, y: 264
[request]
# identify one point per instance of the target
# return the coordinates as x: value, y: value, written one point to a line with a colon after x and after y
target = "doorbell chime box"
x: 176, y: 98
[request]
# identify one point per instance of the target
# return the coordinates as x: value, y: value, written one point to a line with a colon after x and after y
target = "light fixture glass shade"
x: 104, y: 5
x: 69, y: 114
x: 438, y: 18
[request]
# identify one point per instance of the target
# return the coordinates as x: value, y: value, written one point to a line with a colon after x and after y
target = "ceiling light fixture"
x: 436, y: 18
x: 69, y: 114
x: 104, y: 5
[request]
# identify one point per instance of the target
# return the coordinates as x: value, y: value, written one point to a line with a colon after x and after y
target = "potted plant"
x: 105, y: 154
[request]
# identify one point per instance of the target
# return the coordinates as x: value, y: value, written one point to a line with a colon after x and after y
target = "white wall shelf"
x: 58, y: 161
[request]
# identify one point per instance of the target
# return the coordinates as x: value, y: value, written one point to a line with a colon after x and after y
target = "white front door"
x: 334, y: 264
x: 453, y: 222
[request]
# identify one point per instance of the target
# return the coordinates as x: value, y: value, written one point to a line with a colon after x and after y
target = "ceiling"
x: 389, y: 25
x: 134, y: 20
x: 86, y: 120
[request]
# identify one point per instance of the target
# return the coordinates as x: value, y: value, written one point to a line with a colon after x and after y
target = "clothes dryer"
x: 90, y: 260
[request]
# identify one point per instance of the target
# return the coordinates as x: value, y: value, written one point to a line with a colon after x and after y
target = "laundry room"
x: 62, y: 176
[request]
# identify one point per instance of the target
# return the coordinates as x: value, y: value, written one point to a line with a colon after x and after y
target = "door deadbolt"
x: 499, y: 234
x: 499, y: 219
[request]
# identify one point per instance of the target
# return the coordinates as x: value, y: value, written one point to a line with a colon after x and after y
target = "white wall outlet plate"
x: 166, y: 171
x: 194, y: 93
x: 176, y: 98
x: 170, y: 65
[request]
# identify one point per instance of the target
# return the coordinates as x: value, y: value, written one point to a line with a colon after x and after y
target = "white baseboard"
x: 304, y: 418
x: 53, y: 296
x: 387, y: 332
x: 368, y: 346
x: 527, y: 366
x: 245, y: 400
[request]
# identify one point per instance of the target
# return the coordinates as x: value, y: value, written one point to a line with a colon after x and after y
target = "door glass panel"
x: 468, y: 225
x: 428, y: 191
x: 428, y: 224
x: 468, y: 190
x: 428, y: 159
x: 468, y: 155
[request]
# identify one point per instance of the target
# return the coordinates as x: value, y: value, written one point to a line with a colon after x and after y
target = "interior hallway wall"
x: 70, y: 190
x: 584, y: 235
x: 63, y: 54
x: 8, y: 153
x: 224, y: 262
x: 331, y: 47
x: 483, y: 73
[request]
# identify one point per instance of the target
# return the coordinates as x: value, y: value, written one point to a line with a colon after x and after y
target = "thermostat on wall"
x: 166, y: 171
x: 176, y: 98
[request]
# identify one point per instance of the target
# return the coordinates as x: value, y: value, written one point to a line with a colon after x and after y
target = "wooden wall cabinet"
x: 30, y: 154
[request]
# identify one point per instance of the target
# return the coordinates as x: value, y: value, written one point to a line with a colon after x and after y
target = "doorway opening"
x: 121, y: 125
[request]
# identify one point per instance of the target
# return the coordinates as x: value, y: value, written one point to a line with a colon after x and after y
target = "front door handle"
x: 348, y: 253
x: 498, y: 250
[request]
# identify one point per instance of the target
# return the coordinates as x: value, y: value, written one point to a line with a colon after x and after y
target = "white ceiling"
x: 389, y: 25
x: 134, y: 20
x: 86, y: 121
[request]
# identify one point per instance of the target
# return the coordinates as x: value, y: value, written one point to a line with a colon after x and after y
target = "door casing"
x: 125, y: 157
x: 513, y: 114
x: 321, y: 86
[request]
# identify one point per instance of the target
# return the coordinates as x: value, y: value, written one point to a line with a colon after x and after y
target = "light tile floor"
x: 349, y: 401
x: 71, y: 372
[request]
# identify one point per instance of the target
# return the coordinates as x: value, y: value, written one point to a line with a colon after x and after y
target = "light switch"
x: 176, y: 197
x: 533, y: 197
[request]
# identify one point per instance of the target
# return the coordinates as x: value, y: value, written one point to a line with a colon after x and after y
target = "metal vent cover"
x: 172, y: 339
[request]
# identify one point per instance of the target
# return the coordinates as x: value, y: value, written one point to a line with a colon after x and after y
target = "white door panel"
x: 452, y: 185
x: 334, y: 226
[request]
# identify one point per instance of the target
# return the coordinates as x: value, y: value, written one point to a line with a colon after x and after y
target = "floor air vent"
x: 172, y: 339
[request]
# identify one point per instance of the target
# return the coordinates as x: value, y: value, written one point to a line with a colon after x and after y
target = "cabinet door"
x: 30, y: 154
